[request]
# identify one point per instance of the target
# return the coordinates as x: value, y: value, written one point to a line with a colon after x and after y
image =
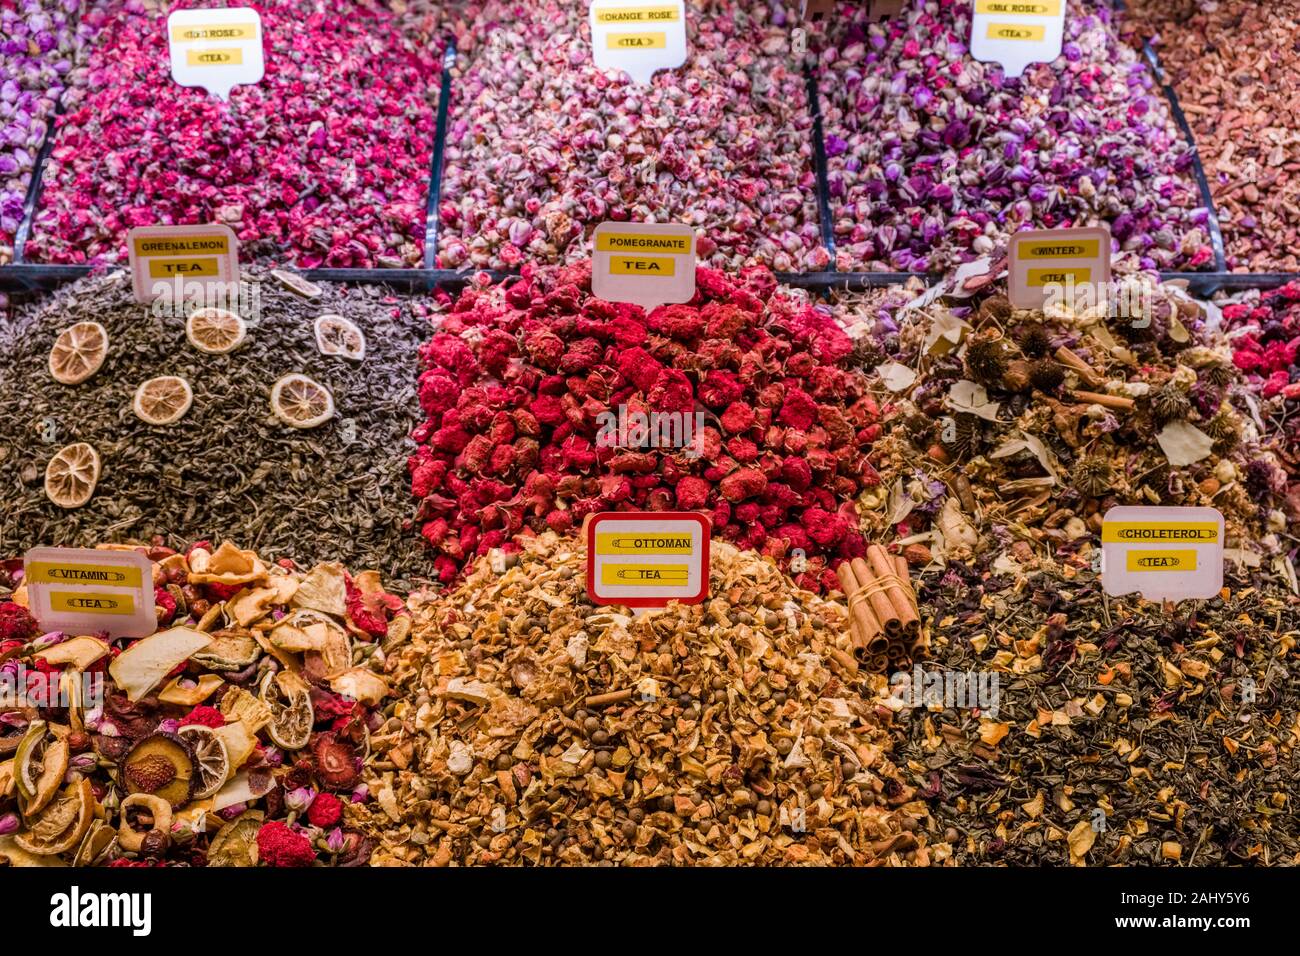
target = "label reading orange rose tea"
x: 1016, y: 33
x: 1064, y: 266
x: 168, y: 256
x: 85, y: 591
x: 638, y: 37
x: 216, y: 49
x: 647, y: 264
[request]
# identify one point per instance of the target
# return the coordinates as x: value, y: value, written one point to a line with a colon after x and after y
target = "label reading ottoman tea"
x: 216, y: 49
x: 1162, y: 553
x: 84, y: 591
x: 1016, y: 33
x: 638, y: 37
x: 1060, y: 265
x: 178, y: 256
x: 646, y: 559
x: 647, y: 264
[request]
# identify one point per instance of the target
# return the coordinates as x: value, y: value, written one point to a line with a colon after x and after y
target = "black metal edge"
x: 1198, y: 170
x: 432, y: 219
x: 819, y: 163
x: 37, y: 184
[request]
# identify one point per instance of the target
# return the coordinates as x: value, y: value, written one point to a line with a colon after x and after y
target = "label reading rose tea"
x: 647, y: 264
x: 646, y: 559
x: 216, y: 49
x: 170, y: 257
x: 1056, y: 265
x: 85, y: 591
x: 638, y: 37
x: 1016, y: 33
x: 1162, y: 553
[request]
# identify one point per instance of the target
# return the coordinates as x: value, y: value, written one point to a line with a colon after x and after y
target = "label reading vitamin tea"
x: 85, y: 591
x: 1055, y: 265
x: 1016, y: 33
x: 216, y: 49
x: 1162, y: 553
x: 647, y: 264
x: 206, y: 256
x: 638, y: 37
x: 646, y: 559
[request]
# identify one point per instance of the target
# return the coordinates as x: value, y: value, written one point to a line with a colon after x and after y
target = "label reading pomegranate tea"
x: 646, y: 559
x: 647, y: 264
x: 638, y: 37
x: 1065, y: 266
x: 216, y: 49
x: 1016, y: 33
x: 85, y: 591
x: 163, y: 257
x: 1162, y: 553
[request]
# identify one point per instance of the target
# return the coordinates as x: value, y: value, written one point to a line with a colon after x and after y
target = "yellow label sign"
x: 1027, y: 8
x: 214, y: 31
x: 216, y: 245
x: 91, y: 602
x: 638, y: 15
x: 642, y: 266
x: 631, y: 242
x: 1161, y: 560
x: 1060, y: 249
x: 637, y: 41
x: 171, y: 268
x: 1016, y: 31
x: 626, y: 542
x: 229, y: 56
x: 116, y: 575
x: 1042, y: 277
x: 645, y: 575
x: 1198, y: 532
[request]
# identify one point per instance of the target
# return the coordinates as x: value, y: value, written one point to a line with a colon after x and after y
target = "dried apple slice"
x: 240, y: 743
x: 71, y: 475
x: 325, y: 588
x: 142, y: 666
x: 140, y: 813
x: 80, y: 652
x: 63, y: 824
x: 211, y: 759
x: 215, y: 331
x: 175, y: 693
x: 296, y: 283
x: 236, y: 844
x: 78, y: 353
x: 292, y: 715
x: 163, y: 400
x: 360, y: 684
x: 98, y: 843
x: 300, y: 402
x: 336, y: 335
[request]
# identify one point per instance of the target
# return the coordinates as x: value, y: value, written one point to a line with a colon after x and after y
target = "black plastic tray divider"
x: 1198, y: 170
x: 819, y: 164
x: 432, y: 219
x: 33, y: 197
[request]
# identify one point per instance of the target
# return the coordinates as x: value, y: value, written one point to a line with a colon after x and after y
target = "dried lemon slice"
x: 298, y: 401
x: 162, y: 400
x: 210, y: 757
x: 336, y: 335
x: 215, y: 331
x: 296, y: 283
x: 78, y: 352
x: 71, y: 475
x: 63, y: 824
x: 292, y: 714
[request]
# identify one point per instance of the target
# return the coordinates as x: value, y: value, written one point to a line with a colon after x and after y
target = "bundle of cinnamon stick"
x: 884, y: 620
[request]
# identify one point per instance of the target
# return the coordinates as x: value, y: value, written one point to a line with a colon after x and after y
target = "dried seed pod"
x: 1170, y: 404
x: 986, y: 360
x: 1034, y: 340
x: 1092, y: 476
x: 1046, y: 376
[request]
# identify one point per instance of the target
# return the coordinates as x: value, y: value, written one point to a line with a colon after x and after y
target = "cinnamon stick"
x: 886, y: 614
x: 878, y: 663
x: 1105, y: 401
x: 862, y: 625
x: 1084, y: 370
x: 613, y: 697
x: 883, y: 565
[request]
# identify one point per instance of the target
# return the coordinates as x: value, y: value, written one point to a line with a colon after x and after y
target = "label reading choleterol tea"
x: 85, y: 591
x: 1054, y: 265
x: 1162, y: 553
x: 639, y: 37
x: 1017, y: 33
x: 647, y: 264
x: 216, y: 49
x: 168, y: 257
x: 646, y: 559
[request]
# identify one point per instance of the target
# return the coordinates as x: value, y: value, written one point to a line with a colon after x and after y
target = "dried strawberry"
x: 336, y: 762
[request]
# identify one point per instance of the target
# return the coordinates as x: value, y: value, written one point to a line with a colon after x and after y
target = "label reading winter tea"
x: 85, y: 591
x: 638, y: 38
x: 1051, y: 264
x: 646, y: 559
x: 647, y: 264
x: 1016, y: 33
x: 216, y: 49
x: 1162, y: 553
x: 207, y: 256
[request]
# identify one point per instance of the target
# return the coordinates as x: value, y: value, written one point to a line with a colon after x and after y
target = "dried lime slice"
x: 71, y: 475
x: 210, y: 757
x: 292, y: 715
x: 162, y: 400
x: 300, y: 402
x: 296, y: 283
x: 336, y: 335
x: 215, y: 331
x: 78, y: 352
x: 63, y: 824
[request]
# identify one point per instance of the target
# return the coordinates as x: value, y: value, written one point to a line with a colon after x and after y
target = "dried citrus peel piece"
x: 78, y: 352
x: 71, y: 475
x: 300, y: 402
x: 163, y: 400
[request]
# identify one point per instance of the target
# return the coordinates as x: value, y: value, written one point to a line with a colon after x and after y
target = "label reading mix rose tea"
x: 1051, y: 264
x: 85, y: 591
x: 1016, y: 33
x: 206, y: 255
x: 647, y: 264
x: 646, y: 559
x: 638, y: 37
x: 216, y: 49
x: 1162, y: 553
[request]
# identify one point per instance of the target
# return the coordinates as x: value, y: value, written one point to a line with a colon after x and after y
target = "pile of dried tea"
x: 1120, y: 732
x: 226, y: 464
x: 536, y: 728
x: 234, y: 735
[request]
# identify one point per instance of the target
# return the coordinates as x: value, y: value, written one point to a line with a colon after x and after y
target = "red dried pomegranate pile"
x: 518, y: 373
